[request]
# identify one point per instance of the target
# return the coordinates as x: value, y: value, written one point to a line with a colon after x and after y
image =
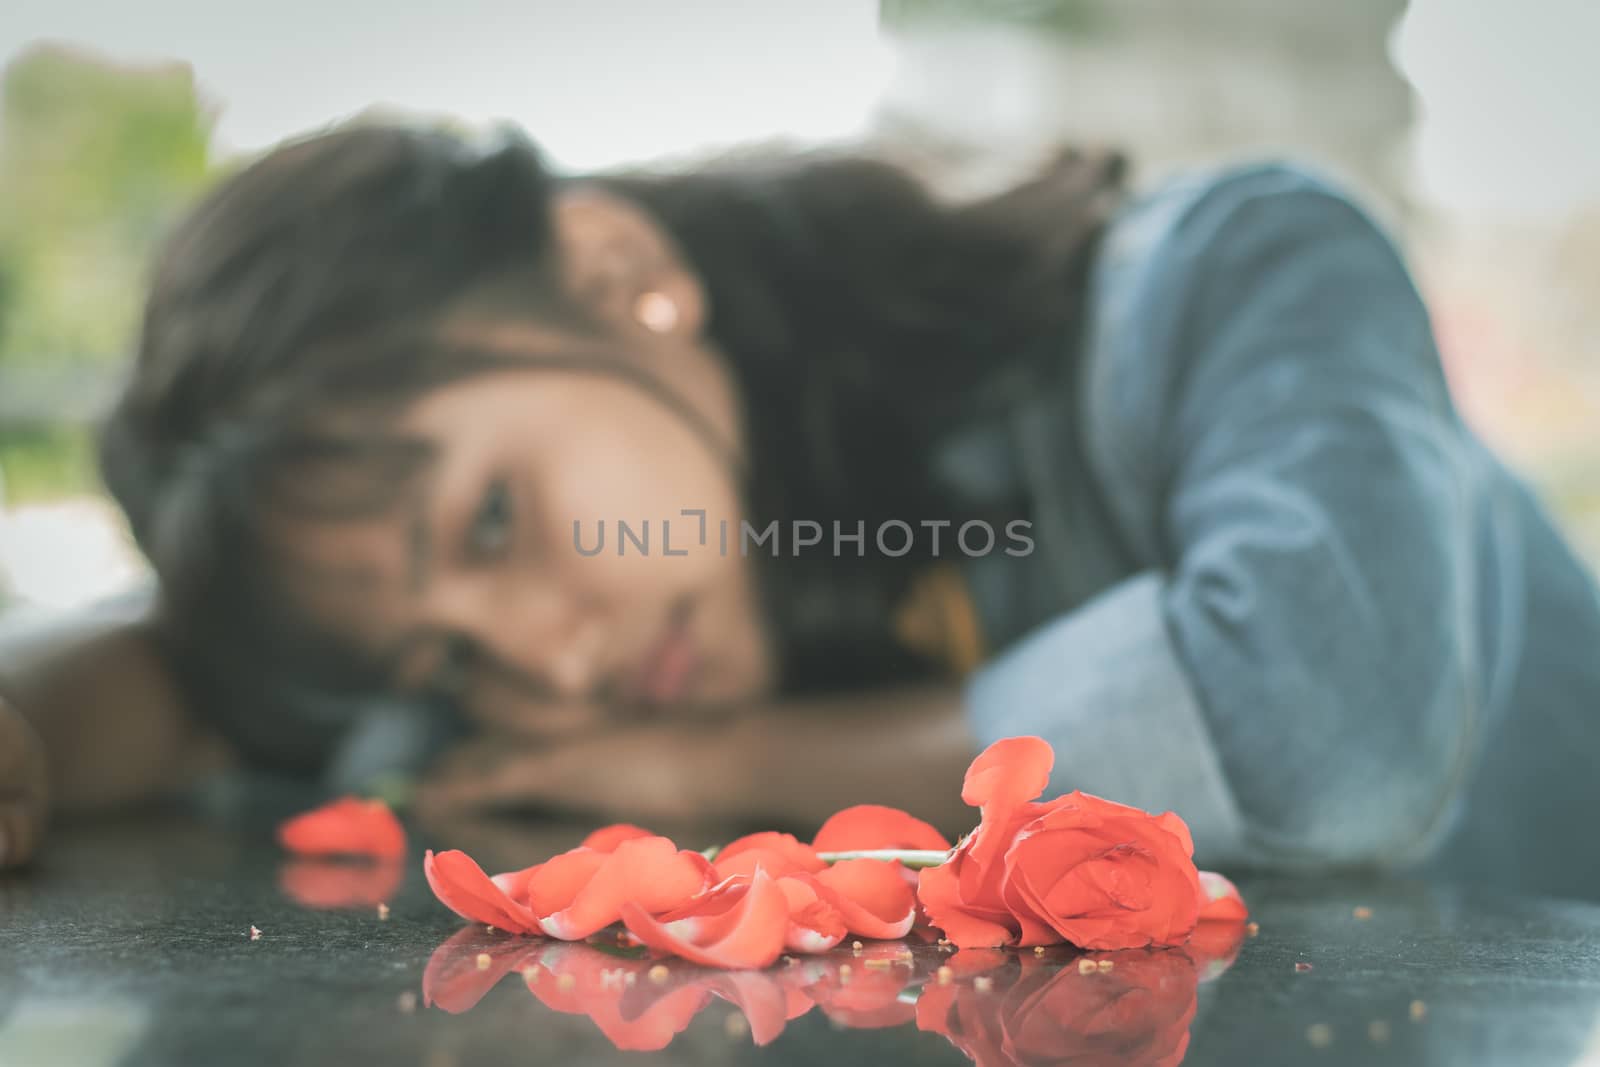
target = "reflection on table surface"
x: 131, y: 943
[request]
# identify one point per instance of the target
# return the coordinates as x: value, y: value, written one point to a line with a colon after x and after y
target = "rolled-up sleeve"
x: 1295, y: 672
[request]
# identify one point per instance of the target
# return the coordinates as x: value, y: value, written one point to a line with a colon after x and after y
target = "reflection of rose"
x: 1079, y: 869
x: 1135, y: 1015
x: 996, y: 1006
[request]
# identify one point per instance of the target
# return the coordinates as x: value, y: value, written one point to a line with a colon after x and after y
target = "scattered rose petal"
x: 875, y: 826
x: 736, y: 925
x: 461, y: 886
x: 871, y: 896
x: 349, y: 826
x: 607, y: 838
x: 1220, y: 900
x: 647, y: 872
x: 796, y: 855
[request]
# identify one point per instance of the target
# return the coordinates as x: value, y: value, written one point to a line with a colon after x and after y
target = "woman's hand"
x: 665, y: 771
x: 791, y: 764
x: 24, y: 788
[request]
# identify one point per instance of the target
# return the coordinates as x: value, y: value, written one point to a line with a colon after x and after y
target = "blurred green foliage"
x: 45, y: 463
x: 95, y: 161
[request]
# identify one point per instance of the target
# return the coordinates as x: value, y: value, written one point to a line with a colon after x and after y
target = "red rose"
x: 1078, y: 868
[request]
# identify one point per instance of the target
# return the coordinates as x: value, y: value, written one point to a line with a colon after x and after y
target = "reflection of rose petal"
x: 1214, y: 946
x: 616, y: 993
x: 758, y: 995
x: 642, y: 1004
x: 327, y: 884
x: 453, y: 979
x: 998, y: 1007
x: 867, y: 997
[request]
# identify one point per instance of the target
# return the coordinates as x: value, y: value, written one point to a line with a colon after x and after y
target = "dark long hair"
x: 291, y: 316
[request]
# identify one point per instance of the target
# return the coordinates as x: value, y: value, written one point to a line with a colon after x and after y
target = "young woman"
x: 778, y: 486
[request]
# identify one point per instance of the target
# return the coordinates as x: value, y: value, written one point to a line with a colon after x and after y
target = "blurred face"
x: 505, y: 577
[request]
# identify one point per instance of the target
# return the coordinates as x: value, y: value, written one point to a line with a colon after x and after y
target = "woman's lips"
x: 669, y: 666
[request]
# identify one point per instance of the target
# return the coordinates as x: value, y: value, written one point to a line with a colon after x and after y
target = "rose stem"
x: 930, y: 857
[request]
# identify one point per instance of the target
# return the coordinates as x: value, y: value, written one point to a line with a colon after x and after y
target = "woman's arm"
x: 791, y: 764
x: 89, y: 720
x: 1296, y: 673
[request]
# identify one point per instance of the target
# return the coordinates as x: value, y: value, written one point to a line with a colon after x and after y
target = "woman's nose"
x: 571, y: 663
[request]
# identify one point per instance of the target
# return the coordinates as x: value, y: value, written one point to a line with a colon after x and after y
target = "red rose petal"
x: 461, y: 886
x: 815, y: 924
x: 798, y: 854
x: 872, y: 897
x: 777, y: 864
x: 554, y: 884
x: 1220, y: 899
x: 747, y: 934
x: 649, y: 873
x: 349, y: 826
x: 939, y: 890
x: 607, y: 838
x: 875, y: 826
x: 514, y: 884
x: 1009, y: 772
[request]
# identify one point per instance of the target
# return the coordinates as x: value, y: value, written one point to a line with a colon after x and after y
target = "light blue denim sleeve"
x: 1295, y: 674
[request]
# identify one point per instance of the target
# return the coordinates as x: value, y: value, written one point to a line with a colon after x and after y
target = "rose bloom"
x: 1078, y: 869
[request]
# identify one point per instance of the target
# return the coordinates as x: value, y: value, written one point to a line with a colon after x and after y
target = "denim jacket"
x: 1278, y: 587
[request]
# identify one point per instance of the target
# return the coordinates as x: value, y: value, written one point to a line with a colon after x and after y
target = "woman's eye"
x: 490, y: 533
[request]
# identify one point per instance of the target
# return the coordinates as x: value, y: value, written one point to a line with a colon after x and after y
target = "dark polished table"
x: 130, y: 943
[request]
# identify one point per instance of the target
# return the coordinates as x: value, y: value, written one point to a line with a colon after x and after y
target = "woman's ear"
x: 621, y: 264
